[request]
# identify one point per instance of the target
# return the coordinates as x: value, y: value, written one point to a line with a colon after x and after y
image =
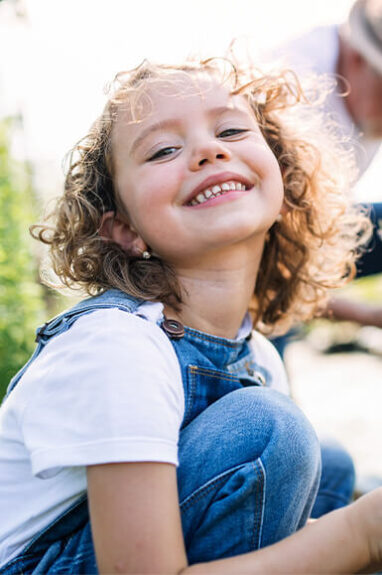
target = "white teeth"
x: 216, y: 191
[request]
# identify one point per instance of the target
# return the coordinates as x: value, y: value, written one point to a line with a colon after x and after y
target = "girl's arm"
x: 136, y: 527
x: 135, y: 518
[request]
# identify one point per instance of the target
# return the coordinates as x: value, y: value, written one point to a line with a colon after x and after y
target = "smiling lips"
x: 217, y: 190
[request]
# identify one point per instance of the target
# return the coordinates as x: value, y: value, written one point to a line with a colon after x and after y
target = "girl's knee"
x: 290, y: 440
x: 252, y: 423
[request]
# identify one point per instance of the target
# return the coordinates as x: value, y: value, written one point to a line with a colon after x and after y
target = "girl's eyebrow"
x: 176, y: 122
x: 162, y: 125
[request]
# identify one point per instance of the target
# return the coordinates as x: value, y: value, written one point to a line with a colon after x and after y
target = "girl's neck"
x: 216, y: 295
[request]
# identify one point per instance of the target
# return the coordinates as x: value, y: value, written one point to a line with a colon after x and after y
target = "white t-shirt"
x: 107, y: 390
x: 317, y: 52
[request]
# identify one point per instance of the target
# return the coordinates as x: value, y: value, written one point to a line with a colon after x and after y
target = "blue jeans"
x: 337, y: 478
x: 248, y: 477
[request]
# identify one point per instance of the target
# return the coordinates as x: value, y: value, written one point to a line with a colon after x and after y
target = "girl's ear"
x: 117, y: 229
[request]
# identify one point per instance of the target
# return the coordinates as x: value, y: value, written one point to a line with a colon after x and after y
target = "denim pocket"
x: 204, y: 387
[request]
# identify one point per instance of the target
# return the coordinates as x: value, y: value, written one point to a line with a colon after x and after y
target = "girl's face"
x: 195, y: 174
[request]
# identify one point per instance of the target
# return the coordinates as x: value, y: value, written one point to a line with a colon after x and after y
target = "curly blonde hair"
x: 312, y: 249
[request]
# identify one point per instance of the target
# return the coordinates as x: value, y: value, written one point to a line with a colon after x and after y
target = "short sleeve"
x: 107, y: 390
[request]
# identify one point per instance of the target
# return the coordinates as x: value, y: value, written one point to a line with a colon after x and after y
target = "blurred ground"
x: 341, y: 393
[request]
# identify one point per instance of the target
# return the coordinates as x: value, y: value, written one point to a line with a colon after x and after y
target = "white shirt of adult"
x: 107, y: 390
x: 317, y: 52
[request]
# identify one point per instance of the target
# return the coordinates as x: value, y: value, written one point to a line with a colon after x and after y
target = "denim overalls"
x: 249, y: 461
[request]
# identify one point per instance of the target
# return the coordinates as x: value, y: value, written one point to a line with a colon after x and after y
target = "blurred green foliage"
x: 22, y: 305
x: 367, y: 289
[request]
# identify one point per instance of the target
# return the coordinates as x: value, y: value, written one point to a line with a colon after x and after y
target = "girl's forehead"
x: 177, y: 96
x: 191, y: 93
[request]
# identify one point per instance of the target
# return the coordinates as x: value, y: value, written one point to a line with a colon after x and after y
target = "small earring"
x: 146, y: 255
x: 279, y: 218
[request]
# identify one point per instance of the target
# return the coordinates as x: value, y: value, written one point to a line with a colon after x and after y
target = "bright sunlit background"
x: 58, y: 55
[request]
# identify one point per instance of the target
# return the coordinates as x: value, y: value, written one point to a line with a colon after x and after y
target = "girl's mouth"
x: 216, y: 191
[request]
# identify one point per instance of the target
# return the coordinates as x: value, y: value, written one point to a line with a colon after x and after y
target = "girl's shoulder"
x: 116, y: 340
x: 112, y: 326
x: 109, y: 388
x: 104, y: 354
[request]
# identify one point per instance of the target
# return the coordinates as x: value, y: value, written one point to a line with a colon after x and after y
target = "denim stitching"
x: 207, y: 488
x: 193, y: 372
x: 189, y: 396
x: 200, y: 495
x: 256, y: 496
x: 259, y: 494
x: 194, y: 369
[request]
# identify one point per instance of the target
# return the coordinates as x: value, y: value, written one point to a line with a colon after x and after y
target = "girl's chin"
x: 212, y: 241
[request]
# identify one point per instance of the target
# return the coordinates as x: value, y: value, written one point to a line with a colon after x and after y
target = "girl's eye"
x: 229, y: 133
x: 162, y: 153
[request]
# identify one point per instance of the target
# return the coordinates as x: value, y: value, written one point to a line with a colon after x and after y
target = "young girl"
x: 151, y: 429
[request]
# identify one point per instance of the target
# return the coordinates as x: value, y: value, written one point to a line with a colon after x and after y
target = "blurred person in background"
x: 352, y: 53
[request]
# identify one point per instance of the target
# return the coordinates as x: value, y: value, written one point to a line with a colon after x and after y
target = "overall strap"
x: 110, y: 299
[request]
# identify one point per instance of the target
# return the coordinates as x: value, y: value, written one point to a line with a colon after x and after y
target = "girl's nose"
x: 209, y: 153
